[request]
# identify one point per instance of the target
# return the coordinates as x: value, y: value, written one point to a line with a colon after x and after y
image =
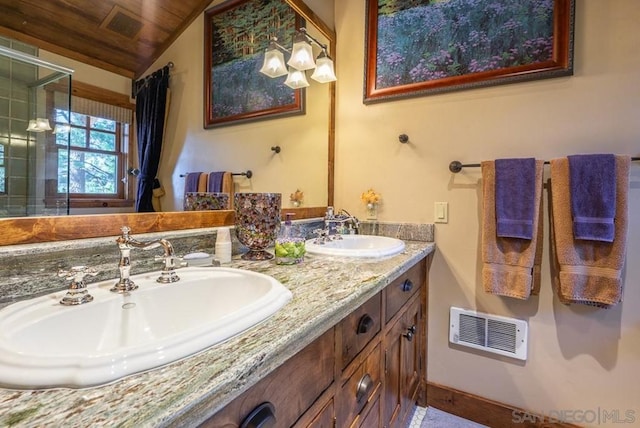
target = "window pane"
x: 78, y: 119
x: 78, y: 137
x: 93, y: 173
x: 62, y: 139
x: 104, y: 124
x: 62, y: 170
x: 61, y: 116
x: 102, y: 141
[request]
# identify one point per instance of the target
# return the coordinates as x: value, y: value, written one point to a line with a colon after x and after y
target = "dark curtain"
x: 151, y: 104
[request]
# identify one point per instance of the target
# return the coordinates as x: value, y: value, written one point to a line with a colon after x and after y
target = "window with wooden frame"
x: 89, y: 154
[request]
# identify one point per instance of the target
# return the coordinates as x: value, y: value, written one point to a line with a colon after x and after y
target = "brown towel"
x: 202, y: 182
x: 587, y: 272
x: 227, y: 187
x: 511, y: 266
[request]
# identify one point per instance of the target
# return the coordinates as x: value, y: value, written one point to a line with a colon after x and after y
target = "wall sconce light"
x: 39, y: 125
x: 301, y: 59
x: 62, y: 128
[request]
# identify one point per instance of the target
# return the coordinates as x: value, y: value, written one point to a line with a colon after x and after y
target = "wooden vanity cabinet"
x: 367, y: 371
x: 290, y: 390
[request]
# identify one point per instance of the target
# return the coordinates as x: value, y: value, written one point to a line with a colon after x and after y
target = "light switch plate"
x: 441, y: 212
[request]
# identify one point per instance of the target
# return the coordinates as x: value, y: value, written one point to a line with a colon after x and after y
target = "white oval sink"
x: 356, y: 246
x: 45, y: 344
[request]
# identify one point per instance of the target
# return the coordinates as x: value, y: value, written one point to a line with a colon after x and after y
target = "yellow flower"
x: 296, y: 196
x: 370, y: 197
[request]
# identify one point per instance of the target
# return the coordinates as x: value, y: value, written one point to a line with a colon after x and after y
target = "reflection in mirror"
x: 43, y: 229
x: 304, y: 140
x: 33, y: 169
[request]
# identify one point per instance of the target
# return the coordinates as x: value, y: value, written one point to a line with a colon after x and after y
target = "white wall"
x: 579, y: 358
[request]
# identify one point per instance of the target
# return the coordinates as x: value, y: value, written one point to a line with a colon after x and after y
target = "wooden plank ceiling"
x: 122, y: 36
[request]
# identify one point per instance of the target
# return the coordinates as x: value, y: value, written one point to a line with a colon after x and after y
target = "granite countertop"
x: 187, y: 392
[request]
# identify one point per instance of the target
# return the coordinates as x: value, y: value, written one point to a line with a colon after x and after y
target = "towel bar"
x: 248, y: 173
x: 456, y: 166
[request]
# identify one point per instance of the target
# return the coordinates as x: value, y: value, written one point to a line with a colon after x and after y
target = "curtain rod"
x: 136, y: 85
x: 456, y: 166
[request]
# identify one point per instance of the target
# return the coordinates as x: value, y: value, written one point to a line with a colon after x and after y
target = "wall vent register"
x: 491, y: 333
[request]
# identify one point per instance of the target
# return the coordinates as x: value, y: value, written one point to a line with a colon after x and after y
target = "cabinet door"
x: 411, y: 358
x: 324, y: 419
x: 402, y: 366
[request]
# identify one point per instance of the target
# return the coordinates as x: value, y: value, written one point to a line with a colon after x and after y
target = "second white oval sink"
x: 357, y: 246
x: 45, y: 344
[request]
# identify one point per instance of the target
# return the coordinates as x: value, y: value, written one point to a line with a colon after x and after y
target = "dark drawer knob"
x: 365, y: 324
x: 364, y: 387
x: 407, y: 285
x: 263, y: 416
x: 411, y: 331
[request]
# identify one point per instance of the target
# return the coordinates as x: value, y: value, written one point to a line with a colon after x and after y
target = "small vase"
x: 257, y: 221
x: 295, y: 204
x: 372, y: 211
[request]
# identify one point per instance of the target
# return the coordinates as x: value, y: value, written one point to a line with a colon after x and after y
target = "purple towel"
x: 592, y: 186
x: 515, y: 194
x: 215, y: 181
x: 191, y: 182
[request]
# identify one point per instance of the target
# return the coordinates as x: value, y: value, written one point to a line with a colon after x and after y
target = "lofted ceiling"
x: 122, y: 36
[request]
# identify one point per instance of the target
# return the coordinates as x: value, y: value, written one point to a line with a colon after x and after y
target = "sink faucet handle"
x: 126, y: 230
x: 77, y: 293
x: 77, y: 273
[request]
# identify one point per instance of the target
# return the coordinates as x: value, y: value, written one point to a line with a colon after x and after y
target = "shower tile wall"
x: 14, y: 119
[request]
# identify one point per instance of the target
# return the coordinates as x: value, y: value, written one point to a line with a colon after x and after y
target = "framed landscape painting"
x: 236, y: 34
x: 423, y: 47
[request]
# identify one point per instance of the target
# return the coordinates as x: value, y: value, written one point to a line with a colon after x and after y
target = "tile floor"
x: 429, y: 417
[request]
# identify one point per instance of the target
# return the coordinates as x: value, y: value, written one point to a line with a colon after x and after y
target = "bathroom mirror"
x: 54, y: 228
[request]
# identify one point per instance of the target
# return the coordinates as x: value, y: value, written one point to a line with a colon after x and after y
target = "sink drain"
x: 128, y: 306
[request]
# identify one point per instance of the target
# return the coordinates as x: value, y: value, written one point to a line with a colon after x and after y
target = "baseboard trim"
x: 484, y: 411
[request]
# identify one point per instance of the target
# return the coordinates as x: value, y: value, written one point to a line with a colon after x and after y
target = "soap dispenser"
x: 289, y: 247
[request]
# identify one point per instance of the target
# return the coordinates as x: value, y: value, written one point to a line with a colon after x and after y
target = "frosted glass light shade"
x: 296, y: 79
x: 273, y: 65
x: 324, y: 72
x: 33, y: 127
x: 62, y: 128
x: 43, y: 124
x: 301, y: 56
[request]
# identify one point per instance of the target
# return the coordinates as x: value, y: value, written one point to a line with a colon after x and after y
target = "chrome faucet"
x: 126, y: 243
x: 336, y: 225
x: 352, y: 221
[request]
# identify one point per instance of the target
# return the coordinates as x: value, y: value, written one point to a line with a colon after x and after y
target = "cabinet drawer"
x: 400, y: 291
x: 359, y: 328
x: 290, y: 389
x: 359, y: 388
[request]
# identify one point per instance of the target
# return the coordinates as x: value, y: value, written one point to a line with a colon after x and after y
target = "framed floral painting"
x: 423, y: 47
x: 236, y: 34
